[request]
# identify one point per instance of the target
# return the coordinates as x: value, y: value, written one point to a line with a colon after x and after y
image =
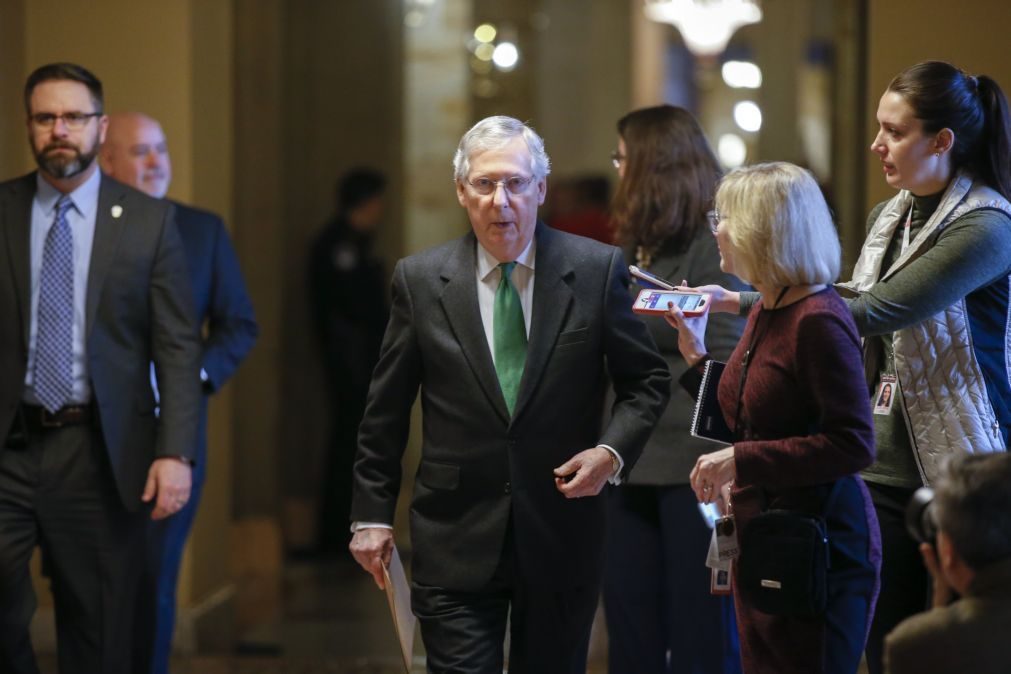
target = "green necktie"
x: 510, y: 337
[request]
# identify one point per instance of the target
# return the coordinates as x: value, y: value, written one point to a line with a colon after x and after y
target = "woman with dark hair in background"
x: 661, y: 616
x: 931, y: 296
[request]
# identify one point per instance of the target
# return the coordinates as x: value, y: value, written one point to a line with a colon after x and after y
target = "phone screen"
x: 660, y: 299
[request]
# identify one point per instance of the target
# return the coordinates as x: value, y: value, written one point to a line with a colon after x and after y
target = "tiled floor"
x: 335, y: 622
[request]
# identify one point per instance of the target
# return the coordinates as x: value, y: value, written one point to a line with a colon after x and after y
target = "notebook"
x: 707, y: 418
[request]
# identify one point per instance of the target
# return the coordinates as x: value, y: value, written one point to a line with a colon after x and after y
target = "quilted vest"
x: 945, y: 401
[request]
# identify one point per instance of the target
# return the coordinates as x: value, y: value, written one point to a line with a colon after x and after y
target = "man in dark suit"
x: 510, y: 332
x: 93, y: 288
x: 135, y: 152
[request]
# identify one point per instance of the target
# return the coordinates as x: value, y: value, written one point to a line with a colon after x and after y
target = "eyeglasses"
x: 514, y: 185
x: 75, y: 121
x: 617, y: 159
x: 714, y: 219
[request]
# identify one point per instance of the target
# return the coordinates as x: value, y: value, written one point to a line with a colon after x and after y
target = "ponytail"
x: 994, y: 152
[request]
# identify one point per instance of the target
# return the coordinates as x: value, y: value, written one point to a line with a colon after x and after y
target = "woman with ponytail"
x: 931, y: 294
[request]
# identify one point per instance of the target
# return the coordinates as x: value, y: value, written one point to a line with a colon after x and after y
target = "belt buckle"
x: 49, y: 419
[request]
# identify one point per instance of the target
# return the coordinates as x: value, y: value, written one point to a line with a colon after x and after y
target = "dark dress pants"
x: 661, y: 616
x: 905, y: 582
x: 58, y: 492
x: 549, y: 629
x: 156, y: 601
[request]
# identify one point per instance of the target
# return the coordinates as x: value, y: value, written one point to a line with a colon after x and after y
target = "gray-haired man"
x: 506, y: 332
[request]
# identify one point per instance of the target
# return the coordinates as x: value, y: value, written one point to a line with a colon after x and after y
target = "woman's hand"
x: 711, y: 474
x: 691, y: 333
x: 723, y: 300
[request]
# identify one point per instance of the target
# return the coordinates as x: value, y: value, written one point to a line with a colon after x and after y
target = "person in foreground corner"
x: 506, y: 332
x: 794, y: 396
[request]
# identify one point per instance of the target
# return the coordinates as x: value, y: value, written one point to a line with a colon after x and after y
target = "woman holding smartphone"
x: 930, y: 294
x: 794, y: 397
x: 656, y: 586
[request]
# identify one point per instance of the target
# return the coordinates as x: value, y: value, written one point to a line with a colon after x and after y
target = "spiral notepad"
x: 707, y: 418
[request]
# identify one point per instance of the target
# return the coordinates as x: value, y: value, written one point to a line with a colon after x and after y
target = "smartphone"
x: 652, y: 280
x: 656, y: 301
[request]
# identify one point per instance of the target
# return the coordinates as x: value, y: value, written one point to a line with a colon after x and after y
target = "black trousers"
x: 905, y: 582
x: 661, y: 616
x: 59, y: 492
x: 549, y: 629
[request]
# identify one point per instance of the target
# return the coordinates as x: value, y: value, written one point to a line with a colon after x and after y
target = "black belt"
x: 38, y: 418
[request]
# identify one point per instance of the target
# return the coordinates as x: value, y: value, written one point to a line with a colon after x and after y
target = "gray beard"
x: 60, y: 167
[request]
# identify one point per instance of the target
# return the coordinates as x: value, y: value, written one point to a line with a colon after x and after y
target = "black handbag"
x: 784, y: 562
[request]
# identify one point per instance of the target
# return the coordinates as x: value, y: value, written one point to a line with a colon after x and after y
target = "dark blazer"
x: 220, y: 298
x: 671, y: 451
x: 139, y: 309
x: 479, y: 468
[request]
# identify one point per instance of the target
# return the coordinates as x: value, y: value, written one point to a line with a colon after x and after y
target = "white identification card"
x: 885, y: 395
x: 726, y: 538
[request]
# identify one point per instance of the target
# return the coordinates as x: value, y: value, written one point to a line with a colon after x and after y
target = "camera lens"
x: 920, y: 521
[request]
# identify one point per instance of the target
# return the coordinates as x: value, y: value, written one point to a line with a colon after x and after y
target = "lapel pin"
x: 117, y: 211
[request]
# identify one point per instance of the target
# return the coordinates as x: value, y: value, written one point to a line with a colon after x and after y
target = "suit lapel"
x: 107, y: 232
x: 459, y: 301
x: 552, y: 299
x: 17, y: 227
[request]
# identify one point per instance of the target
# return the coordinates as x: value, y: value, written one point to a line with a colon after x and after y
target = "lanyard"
x: 905, y: 233
x: 756, y: 335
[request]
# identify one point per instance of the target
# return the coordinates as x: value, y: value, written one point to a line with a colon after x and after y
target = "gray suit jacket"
x: 139, y: 309
x: 479, y: 468
x: 671, y: 452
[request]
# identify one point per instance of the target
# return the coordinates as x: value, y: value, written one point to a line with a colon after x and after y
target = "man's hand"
x: 373, y: 548
x: 589, y: 471
x: 943, y: 593
x: 168, y: 480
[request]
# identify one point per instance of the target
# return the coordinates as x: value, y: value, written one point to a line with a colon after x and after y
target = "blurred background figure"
x: 347, y: 286
x: 135, y: 152
x: 661, y: 616
x: 971, y: 556
x: 579, y: 206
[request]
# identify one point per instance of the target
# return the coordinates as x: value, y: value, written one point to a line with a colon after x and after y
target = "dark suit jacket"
x: 220, y: 299
x: 479, y: 468
x: 139, y: 309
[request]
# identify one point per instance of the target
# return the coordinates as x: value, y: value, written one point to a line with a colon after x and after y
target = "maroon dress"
x: 806, y: 421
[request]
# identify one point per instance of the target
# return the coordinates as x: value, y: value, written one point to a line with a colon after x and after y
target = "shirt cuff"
x: 355, y: 526
x: 616, y: 478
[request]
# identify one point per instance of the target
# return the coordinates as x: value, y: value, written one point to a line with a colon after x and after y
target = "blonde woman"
x: 793, y: 392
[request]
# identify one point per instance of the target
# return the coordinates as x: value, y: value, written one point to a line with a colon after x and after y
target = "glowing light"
x: 484, y: 51
x: 742, y: 75
x: 732, y: 150
x: 506, y: 56
x: 705, y: 25
x: 748, y: 116
x: 485, y: 33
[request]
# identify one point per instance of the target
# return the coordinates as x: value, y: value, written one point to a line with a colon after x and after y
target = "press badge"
x: 725, y: 533
x: 721, y: 580
x: 885, y: 395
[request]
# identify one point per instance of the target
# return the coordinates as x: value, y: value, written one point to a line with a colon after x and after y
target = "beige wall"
x: 903, y: 33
